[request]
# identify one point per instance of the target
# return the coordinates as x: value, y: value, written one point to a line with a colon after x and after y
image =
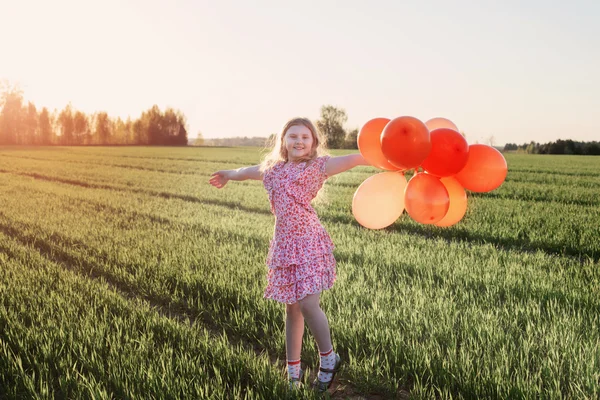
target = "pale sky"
x: 515, y: 70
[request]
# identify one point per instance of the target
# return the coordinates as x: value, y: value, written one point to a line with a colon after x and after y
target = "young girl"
x: 300, y: 260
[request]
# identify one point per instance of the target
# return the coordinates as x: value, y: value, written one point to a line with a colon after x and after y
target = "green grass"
x: 126, y: 275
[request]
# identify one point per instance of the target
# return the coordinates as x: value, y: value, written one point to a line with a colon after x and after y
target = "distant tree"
x: 510, y: 147
x: 199, y: 139
x: 102, y: 132
x: 80, y: 128
x: 181, y: 139
x: 45, y: 127
x: 139, y: 134
x: 67, y: 127
x: 530, y: 148
x: 119, y: 131
x: 351, y: 141
x: 331, y: 124
x: 11, y: 116
x: 31, y: 123
x: 592, y: 149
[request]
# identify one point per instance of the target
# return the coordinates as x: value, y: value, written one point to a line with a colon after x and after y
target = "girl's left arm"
x: 335, y: 165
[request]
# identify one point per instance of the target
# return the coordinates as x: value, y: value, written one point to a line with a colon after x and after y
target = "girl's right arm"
x: 220, y: 178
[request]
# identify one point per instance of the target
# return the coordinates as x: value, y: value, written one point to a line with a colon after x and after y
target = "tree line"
x: 331, y: 124
x: 558, y: 147
x: 22, y: 124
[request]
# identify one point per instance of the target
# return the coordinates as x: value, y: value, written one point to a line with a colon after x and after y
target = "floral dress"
x: 300, y: 258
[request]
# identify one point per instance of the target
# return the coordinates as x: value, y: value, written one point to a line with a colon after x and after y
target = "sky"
x: 514, y: 71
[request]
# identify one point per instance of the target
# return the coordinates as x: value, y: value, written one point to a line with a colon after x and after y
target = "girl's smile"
x: 298, y: 142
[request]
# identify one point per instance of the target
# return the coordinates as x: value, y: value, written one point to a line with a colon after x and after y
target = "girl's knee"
x: 293, y: 309
x: 309, y: 308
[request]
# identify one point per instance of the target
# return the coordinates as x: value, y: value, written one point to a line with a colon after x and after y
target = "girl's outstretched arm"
x: 220, y: 178
x: 335, y: 165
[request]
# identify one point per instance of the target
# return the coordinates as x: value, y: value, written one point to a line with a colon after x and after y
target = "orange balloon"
x: 449, y: 153
x: 458, y: 202
x: 439, y: 122
x: 379, y: 200
x: 426, y: 198
x: 405, y: 142
x: 369, y: 143
x: 485, y: 170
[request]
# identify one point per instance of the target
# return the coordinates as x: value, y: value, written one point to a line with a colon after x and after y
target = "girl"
x: 300, y: 260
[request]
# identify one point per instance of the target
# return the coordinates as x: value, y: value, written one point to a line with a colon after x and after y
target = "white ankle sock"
x: 327, y: 361
x: 293, y: 367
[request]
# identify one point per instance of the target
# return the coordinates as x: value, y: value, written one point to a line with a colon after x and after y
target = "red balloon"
x: 458, y: 202
x: 426, y: 198
x: 485, y: 170
x: 369, y: 143
x: 449, y: 153
x: 405, y: 142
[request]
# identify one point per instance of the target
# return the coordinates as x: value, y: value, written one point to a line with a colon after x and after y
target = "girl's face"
x: 298, y: 142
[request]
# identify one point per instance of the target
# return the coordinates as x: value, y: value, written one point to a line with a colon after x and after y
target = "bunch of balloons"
x: 436, y: 195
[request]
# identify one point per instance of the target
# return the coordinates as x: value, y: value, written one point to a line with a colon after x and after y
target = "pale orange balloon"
x: 458, y: 202
x: 379, y: 200
x: 485, y: 170
x: 369, y: 143
x: 439, y: 122
x: 426, y: 198
x: 405, y: 142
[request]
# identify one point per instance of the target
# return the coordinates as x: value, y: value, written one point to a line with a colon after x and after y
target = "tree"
x: 152, y: 125
x: 139, y: 134
x: 129, y: 131
x: 45, y: 127
x: 119, y: 130
x: 65, y: 119
x: 199, y: 140
x: 80, y: 128
x: 331, y: 125
x: 11, y: 116
x: 351, y: 139
x: 182, y: 138
x: 510, y: 147
x: 31, y: 122
x: 102, y: 132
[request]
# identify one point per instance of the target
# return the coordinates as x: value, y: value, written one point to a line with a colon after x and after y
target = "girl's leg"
x: 294, y: 329
x: 316, y: 320
x: 319, y: 327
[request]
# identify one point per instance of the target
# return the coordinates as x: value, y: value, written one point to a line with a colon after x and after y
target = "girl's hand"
x: 220, y: 178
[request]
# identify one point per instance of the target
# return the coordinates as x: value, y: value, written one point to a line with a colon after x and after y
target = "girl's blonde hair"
x: 278, y: 152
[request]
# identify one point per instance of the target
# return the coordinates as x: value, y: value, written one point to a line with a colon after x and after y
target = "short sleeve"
x: 314, y: 176
x: 268, y: 176
x: 321, y: 163
x: 267, y: 179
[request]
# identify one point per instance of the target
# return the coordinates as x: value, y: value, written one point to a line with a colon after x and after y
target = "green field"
x: 124, y: 274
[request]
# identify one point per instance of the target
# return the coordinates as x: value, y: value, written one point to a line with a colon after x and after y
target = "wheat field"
x: 124, y: 274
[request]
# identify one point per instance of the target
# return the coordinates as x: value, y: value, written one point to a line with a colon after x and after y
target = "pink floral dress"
x: 300, y: 258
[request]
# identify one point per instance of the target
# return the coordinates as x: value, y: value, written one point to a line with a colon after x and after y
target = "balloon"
x: 369, y: 143
x: 449, y: 153
x: 485, y: 170
x: 438, y: 123
x: 426, y: 198
x: 405, y: 142
x: 379, y: 200
x: 458, y: 202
